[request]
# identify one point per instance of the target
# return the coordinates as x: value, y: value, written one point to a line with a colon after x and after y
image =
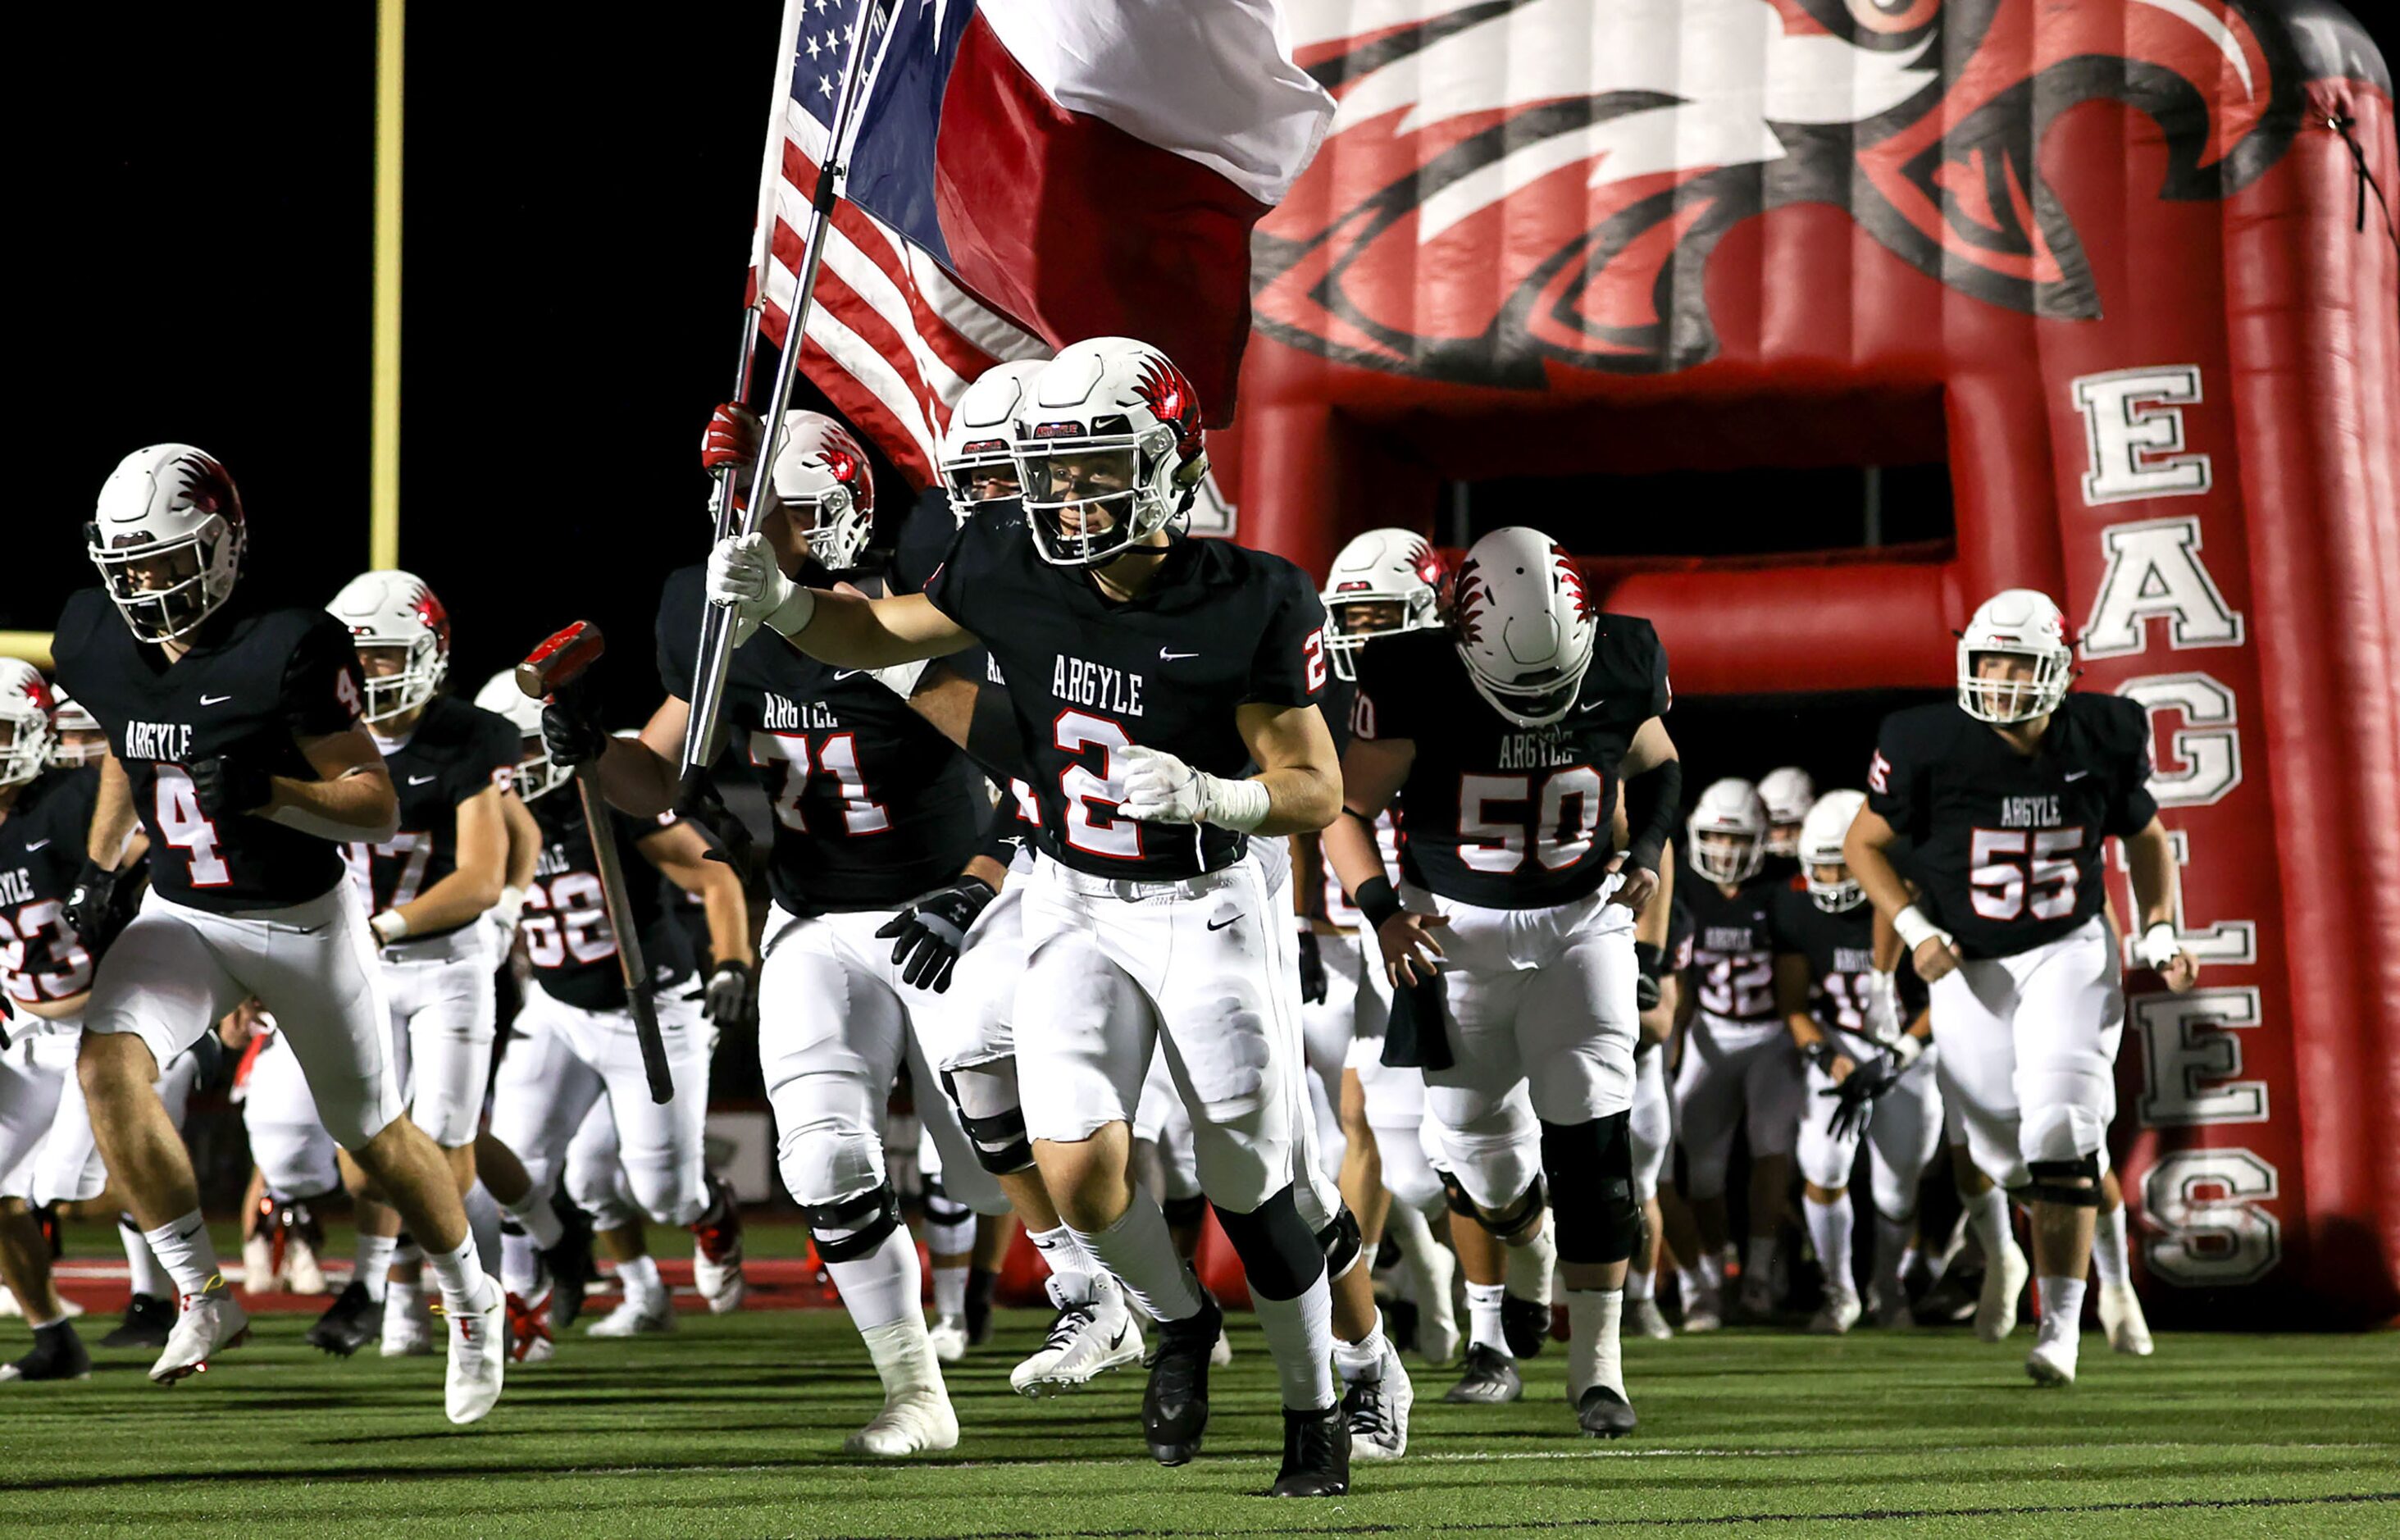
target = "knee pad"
x: 850, y: 1228
x: 1183, y: 1211
x: 1342, y: 1242
x: 2053, y: 1181
x: 990, y: 1111
x: 1279, y: 1255
x: 1514, y: 1223
x: 1590, y: 1169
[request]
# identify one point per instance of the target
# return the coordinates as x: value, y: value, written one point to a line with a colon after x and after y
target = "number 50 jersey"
x: 1498, y: 815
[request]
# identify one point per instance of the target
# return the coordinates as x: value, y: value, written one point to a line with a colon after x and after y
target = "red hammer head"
x: 561, y: 661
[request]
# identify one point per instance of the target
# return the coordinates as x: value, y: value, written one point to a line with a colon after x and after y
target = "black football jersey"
x: 1840, y: 949
x: 925, y: 536
x: 1220, y: 626
x: 1498, y: 815
x: 1678, y: 949
x: 565, y: 927
x: 1733, y: 946
x: 456, y: 751
x: 2007, y: 846
x: 41, y: 852
x: 872, y: 806
x: 257, y: 677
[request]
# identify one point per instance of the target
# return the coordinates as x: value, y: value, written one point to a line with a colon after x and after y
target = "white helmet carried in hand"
x: 1524, y: 623
x: 395, y: 611
x: 1383, y: 583
x: 1108, y: 449
x: 26, y: 706
x: 535, y: 774
x: 976, y: 446
x: 2021, y: 623
x: 826, y: 487
x: 1787, y: 793
x: 1821, y: 833
x: 1725, y: 837
x: 69, y: 717
x: 167, y: 535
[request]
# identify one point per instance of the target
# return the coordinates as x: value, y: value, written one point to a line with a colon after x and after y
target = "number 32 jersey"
x: 1498, y: 815
x: 2008, y: 846
x: 256, y: 680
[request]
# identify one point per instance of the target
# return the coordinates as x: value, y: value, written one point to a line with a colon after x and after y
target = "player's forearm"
x: 360, y: 806
x: 1806, y: 1032
x: 2150, y: 860
x: 985, y: 870
x: 53, y: 1010
x: 846, y: 631
x: 112, y: 817
x: 637, y: 778
x: 728, y: 914
x: 1350, y: 845
x: 456, y: 900
x: 1307, y: 856
x: 1864, y: 855
x: 525, y: 843
x: 1300, y: 799
x: 1651, y: 925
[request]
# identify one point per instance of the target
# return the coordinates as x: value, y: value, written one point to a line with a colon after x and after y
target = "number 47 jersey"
x: 1498, y: 815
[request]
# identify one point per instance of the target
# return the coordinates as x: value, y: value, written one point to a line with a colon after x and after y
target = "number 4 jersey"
x: 41, y: 850
x: 256, y: 680
x: 2007, y: 845
x: 455, y: 752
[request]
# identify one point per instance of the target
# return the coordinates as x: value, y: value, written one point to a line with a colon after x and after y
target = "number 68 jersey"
x: 565, y: 930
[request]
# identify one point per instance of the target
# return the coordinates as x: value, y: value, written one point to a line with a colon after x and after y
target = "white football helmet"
x: 167, y: 535
x: 1725, y: 837
x: 26, y: 706
x: 1787, y: 793
x: 395, y: 612
x: 2020, y: 622
x: 975, y: 446
x: 827, y: 487
x: 1524, y: 623
x: 535, y: 774
x: 82, y: 740
x: 1108, y: 437
x: 1383, y: 583
x: 1821, y: 832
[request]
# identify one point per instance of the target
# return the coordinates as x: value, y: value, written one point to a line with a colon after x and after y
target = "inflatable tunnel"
x: 2126, y: 266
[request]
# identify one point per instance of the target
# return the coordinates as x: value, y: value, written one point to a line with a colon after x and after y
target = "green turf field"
x: 734, y: 1426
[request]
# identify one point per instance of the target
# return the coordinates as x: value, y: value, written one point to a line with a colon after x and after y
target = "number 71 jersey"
x: 1498, y: 815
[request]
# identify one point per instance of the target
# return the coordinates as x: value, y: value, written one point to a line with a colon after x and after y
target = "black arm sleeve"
x: 1652, y: 801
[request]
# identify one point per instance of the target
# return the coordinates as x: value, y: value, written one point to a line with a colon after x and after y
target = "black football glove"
x: 730, y: 998
x: 1313, y: 982
x: 224, y: 787
x: 1856, y: 1094
x: 91, y: 909
x: 569, y: 732
x: 1652, y: 961
x: 927, y: 936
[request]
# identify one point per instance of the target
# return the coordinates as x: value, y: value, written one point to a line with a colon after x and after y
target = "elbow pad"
x: 1651, y: 800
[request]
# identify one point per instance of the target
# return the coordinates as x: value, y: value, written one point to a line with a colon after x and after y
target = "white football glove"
x: 1882, y: 1005
x: 1159, y: 788
x: 743, y: 577
x: 503, y: 916
x: 2158, y: 946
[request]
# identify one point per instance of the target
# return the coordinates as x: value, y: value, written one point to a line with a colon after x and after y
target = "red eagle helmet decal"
x: 1172, y: 400
x: 1571, y: 580
x: 435, y: 619
x: 1468, y: 599
x: 846, y: 462
x: 205, y: 485
x: 1426, y: 561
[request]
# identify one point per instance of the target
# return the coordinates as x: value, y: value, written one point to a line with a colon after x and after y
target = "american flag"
x: 892, y: 339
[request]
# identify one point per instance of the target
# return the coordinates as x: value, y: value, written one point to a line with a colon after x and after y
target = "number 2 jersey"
x: 2007, y: 846
x: 41, y: 854
x: 1498, y: 815
x: 257, y: 678
x: 455, y: 751
x: 1733, y: 947
x: 1840, y: 949
x: 567, y: 938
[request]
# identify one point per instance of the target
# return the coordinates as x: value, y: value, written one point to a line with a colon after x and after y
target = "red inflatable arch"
x: 2121, y: 263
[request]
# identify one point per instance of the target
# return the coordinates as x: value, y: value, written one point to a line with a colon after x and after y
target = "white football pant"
x: 1733, y: 1074
x: 1902, y: 1133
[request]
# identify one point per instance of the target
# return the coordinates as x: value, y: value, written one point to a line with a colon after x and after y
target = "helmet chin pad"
x: 1539, y: 706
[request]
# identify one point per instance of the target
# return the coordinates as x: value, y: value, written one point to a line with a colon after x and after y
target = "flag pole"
x: 717, y: 622
x: 383, y: 478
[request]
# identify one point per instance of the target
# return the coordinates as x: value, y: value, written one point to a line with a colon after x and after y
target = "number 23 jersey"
x: 41, y: 854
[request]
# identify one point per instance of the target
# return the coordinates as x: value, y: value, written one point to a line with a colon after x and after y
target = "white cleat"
x: 1643, y: 1318
x: 1222, y: 1353
x: 479, y: 1355
x: 303, y: 1272
x: 1836, y: 1315
x: 2004, y: 1284
x: 916, y: 1418
x: 407, y: 1325
x: 1377, y: 1409
x: 2121, y: 1315
x: 1704, y: 1310
x: 949, y: 1336
x: 2053, y: 1364
x: 258, y: 1273
x: 635, y: 1318
x: 210, y: 1322
x: 1088, y: 1338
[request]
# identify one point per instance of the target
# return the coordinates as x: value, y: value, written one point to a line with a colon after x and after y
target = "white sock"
x: 1068, y: 1261
x: 184, y: 1250
x: 1640, y: 1284
x: 540, y: 1220
x: 904, y: 1354
x: 884, y: 1286
x: 1424, y: 1258
x: 1483, y: 1318
x: 1364, y: 1359
x: 484, y: 1225
x: 639, y: 1278
x: 1593, y: 1356
x: 460, y: 1273
x: 950, y: 1291
x: 1300, y: 1334
x: 2062, y: 1308
x: 1758, y: 1262
x: 1140, y: 1252
x: 141, y: 1262
x: 374, y: 1264
x: 32, y: 1325
x: 1529, y: 1266
x: 1829, y: 1231
x: 2109, y: 1263
x: 1987, y: 1214
x: 520, y: 1261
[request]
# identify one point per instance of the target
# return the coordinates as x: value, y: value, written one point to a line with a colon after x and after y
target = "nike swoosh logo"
x: 31, y: 845
x: 214, y: 700
x: 846, y: 672
x: 1167, y: 657
x: 1220, y: 924
x: 420, y: 780
x: 2076, y: 775
x: 188, y: 1234
x: 1118, y: 1340
x: 314, y: 928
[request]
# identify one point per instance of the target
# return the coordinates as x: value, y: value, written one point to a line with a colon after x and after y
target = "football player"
x: 1652, y: 1127
x: 1789, y: 792
x: 1146, y: 674
x: 235, y: 740
x: 1739, y: 1063
x: 1505, y: 738
x: 1856, y: 1014
x: 2006, y: 797
x: 79, y: 740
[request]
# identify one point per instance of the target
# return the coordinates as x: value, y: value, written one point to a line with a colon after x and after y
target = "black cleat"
x: 148, y: 1318
x: 980, y: 1282
x: 349, y: 1323
x: 1315, y: 1454
x: 1175, y: 1407
x: 1604, y: 1414
x: 58, y: 1355
x: 570, y: 1266
x: 1525, y: 1324
x: 1490, y: 1378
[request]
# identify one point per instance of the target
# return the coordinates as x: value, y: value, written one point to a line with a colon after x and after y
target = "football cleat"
x: 479, y: 1356
x: 1602, y: 1413
x: 1087, y: 1338
x: 1377, y: 1409
x: 304, y: 1243
x: 569, y: 1262
x: 1315, y: 1454
x: 2004, y: 1284
x: 259, y: 1274
x: 716, y: 1254
x: 2121, y: 1315
x: 209, y: 1322
x: 949, y: 1337
x: 148, y: 1318
x: 1525, y: 1324
x: 1223, y: 1354
x: 1758, y: 1298
x: 407, y: 1323
x: 635, y: 1318
x: 1839, y: 1312
x: 1643, y: 1318
x: 347, y: 1325
x: 58, y: 1355
x: 1887, y: 1307
x: 1174, y: 1404
x: 529, y: 1338
x: 1490, y: 1378
x: 1703, y: 1309
x: 2053, y: 1363
x: 917, y: 1418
